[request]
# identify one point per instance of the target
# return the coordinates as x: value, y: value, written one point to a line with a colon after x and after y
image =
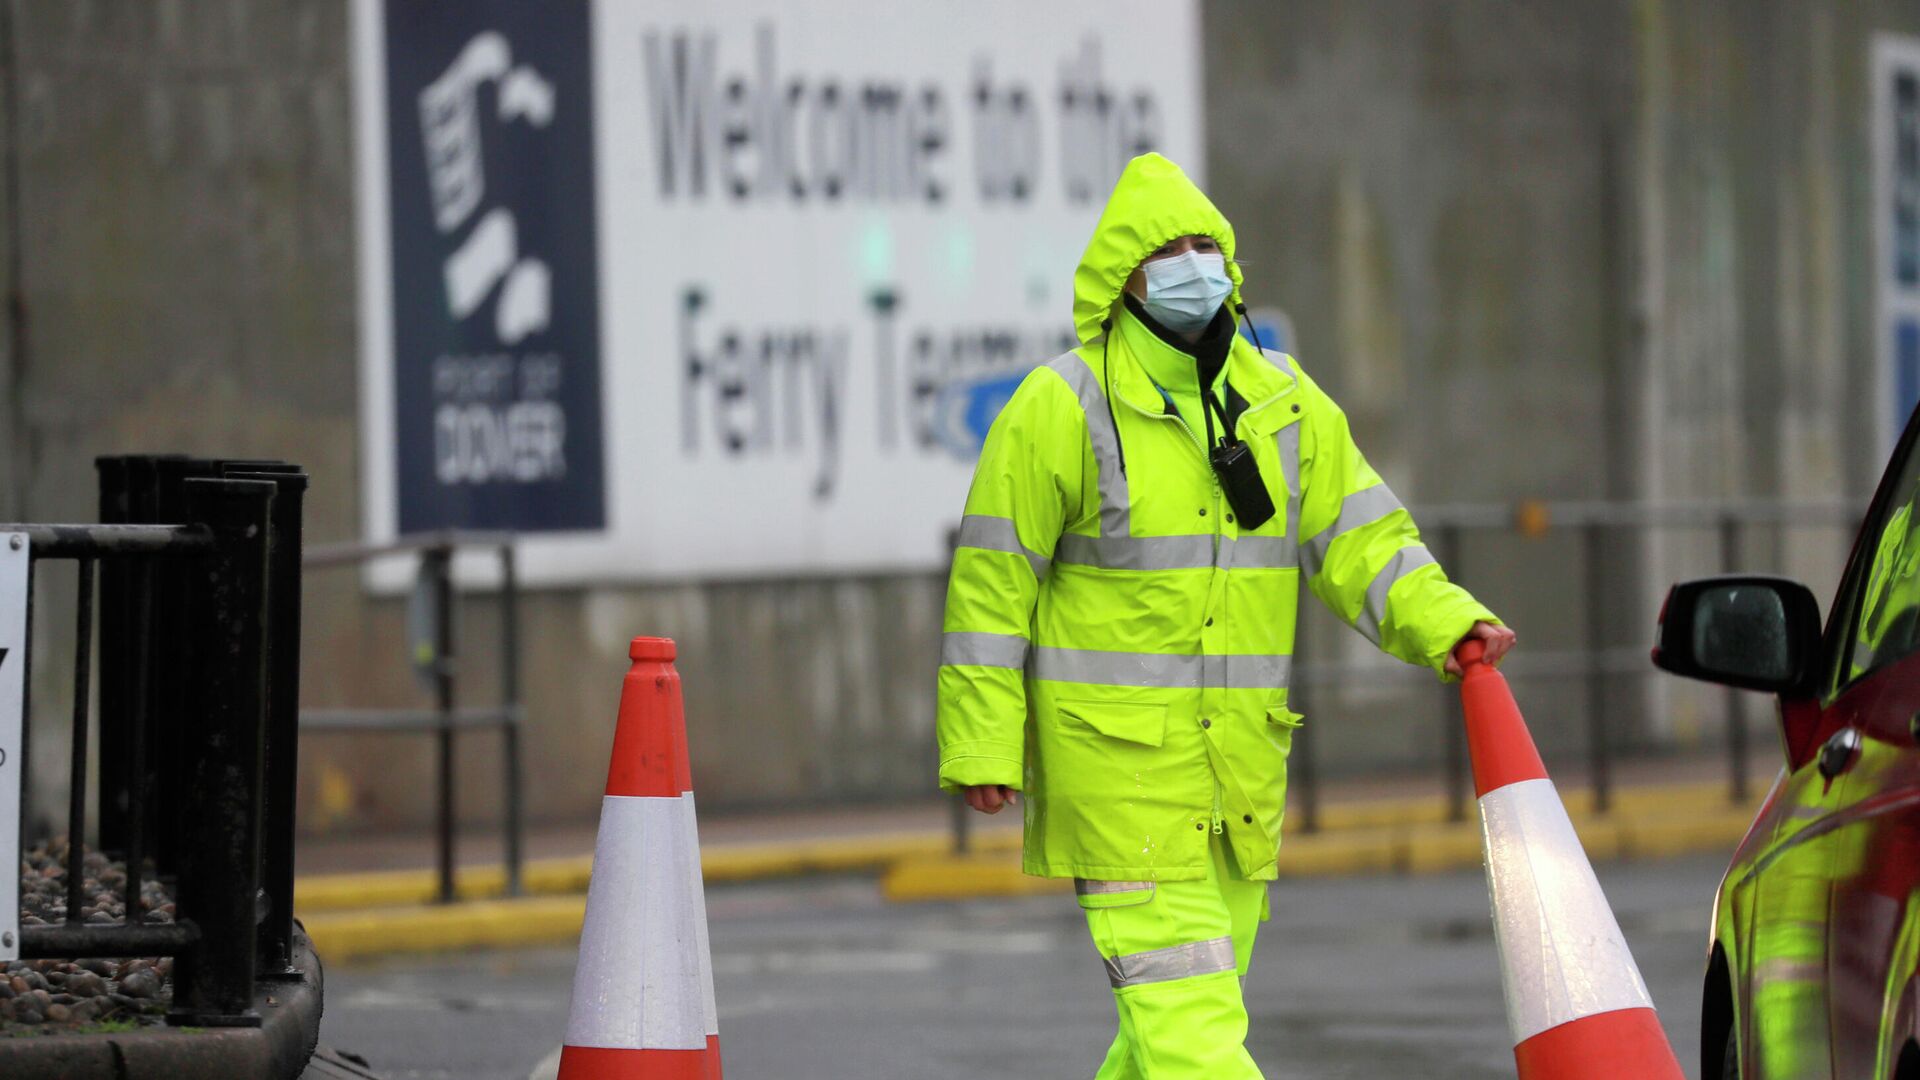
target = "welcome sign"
x: 718, y: 289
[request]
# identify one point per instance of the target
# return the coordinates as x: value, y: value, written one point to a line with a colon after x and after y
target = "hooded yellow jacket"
x: 1114, y: 645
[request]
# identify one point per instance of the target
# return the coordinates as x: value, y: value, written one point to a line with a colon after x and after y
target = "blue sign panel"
x: 1906, y: 370
x: 496, y: 340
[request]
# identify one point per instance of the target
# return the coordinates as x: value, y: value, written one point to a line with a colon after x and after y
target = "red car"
x: 1816, y: 933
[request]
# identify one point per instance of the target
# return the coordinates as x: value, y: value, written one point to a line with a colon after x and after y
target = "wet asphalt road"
x: 820, y: 980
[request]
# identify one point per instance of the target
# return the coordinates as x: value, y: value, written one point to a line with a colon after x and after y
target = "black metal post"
x: 170, y: 696
x: 1453, y: 716
x: 283, y: 710
x: 116, y: 662
x: 1599, y: 769
x: 1736, y: 703
x: 510, y: 704
x: 440, y: 564
x: 219, y: 880
x: 77, y: 777
x: 135, y: 837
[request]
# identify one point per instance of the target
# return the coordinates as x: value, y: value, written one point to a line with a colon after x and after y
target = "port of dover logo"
x: 496, y: 322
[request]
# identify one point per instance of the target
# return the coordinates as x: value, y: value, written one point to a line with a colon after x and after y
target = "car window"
x: 1886, y: 620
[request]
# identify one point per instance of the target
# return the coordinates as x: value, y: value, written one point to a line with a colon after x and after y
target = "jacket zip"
x: 1217, y: 817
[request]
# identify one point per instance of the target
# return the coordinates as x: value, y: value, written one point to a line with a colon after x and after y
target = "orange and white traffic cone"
x: 1576, y: 1005
x: 643, y: 986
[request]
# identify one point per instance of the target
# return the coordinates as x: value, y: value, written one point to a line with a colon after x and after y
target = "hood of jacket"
x: 1153, y: 202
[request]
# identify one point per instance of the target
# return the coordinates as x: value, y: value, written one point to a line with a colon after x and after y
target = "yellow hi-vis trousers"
x: 1176, y: 952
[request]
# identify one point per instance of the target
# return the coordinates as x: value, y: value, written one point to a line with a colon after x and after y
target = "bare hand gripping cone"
x: 1576, y: 1005
x: 643, y: 986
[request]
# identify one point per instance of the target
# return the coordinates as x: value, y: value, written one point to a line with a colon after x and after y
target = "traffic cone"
x: 1576, y: 1006
x: 643, y: 986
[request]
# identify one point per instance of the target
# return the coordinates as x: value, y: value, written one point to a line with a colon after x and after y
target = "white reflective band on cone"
x: 1564, y: 955
x: 644, y: 981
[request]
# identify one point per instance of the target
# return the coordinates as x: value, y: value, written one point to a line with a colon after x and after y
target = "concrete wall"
x: 1559, y: 250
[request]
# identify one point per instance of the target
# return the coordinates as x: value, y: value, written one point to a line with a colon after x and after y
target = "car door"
x: 1827, y: 902
x: 1873, y: 934
x: 1784, y: 902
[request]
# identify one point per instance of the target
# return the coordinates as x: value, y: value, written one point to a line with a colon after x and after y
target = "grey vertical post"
x: 441, y: 565
x: 223, y: 750
x: 1454, y: 717
x: 1736, y: 704
x: 1598, y: 765
x: 510, y: 702
x: 26, y: 716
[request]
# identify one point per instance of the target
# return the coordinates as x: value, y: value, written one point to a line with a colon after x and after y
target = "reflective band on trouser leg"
x: 1180, y: 1008
x: 1173, y: 962
x: 643, y: 991
x: 1087, y: 887
x: 1576, y: 1005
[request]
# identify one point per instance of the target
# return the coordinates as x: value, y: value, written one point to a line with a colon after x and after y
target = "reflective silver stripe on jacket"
x: 1084, y: 887
x: 1363, y: 507
x: 1247, y: 672
x: 1135, y: 552
x: 1194, y: 552
x: 1404, y: 562
x: 1286, y: 443
x: 1264, y: 552
x: 1169, y: 671
x: 983, y: 650
x: 1115, y: 517
x: 998, y: 534
x: 1862, y: 655
x: 1174, y: 962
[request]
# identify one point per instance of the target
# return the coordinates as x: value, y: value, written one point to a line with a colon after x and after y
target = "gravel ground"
x: 42, y: 995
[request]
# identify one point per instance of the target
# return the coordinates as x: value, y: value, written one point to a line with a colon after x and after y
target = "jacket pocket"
x: 1282, y: 724
x: 1285, y: 717
x: 1143, y: 723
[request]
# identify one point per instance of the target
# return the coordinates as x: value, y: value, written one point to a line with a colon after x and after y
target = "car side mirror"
x: 1746, y: 630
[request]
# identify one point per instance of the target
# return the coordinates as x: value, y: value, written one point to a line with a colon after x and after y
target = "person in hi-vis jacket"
x: 1120, y: 619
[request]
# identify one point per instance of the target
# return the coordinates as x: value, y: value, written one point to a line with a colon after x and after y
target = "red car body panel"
x: 1818, y: 916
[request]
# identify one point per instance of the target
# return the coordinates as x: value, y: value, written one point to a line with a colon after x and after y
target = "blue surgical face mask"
x: 1184, y: 291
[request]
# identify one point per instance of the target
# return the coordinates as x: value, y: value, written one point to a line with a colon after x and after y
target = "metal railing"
x: 1447, y: 529
x: 197, y: 666
x: 446, y: 719
x: 1600, y: 659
